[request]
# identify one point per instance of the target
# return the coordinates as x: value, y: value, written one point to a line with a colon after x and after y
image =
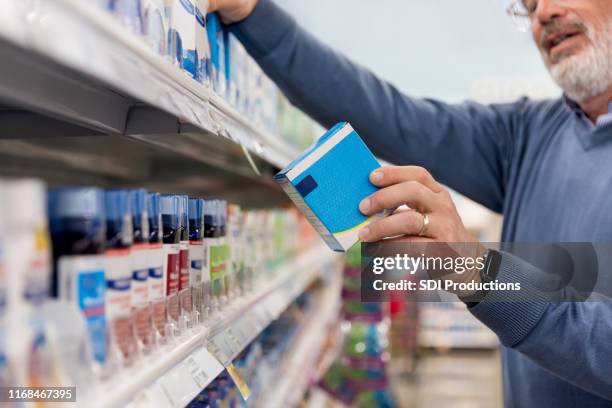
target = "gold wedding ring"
x: 423, y: 230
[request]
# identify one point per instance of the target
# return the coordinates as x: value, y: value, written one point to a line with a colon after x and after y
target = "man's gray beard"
x: 589, y: 72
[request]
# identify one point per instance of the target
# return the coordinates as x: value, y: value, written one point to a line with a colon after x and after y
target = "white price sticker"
x: 204, y: 367
x: 179, y: 386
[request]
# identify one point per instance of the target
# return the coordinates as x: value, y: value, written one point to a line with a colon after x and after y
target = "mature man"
x: 545, y: 165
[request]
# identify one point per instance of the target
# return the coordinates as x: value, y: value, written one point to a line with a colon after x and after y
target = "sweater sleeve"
x: 465, y: 146
x: 568, y: 337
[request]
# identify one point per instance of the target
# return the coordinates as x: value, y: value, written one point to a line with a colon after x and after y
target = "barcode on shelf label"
x: 197, y: 373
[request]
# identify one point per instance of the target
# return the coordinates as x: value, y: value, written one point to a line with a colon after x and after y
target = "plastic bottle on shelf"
x: 196, y: 254
x: 129, y: 14
x: 182, y: 36
x: 141, y: 263
x: 211, y: 234
x: 235, y: 229
x: 119, y: 239
x: 250, y: 255
x: 222, y: 252
x: 169, y: 207
x: 28, y: 262
x: 202, y: 44
x: 78, y: 231
x: 185, y: 295
x: 155, y: 256
x: 155, y: 25
x: 206, y: 280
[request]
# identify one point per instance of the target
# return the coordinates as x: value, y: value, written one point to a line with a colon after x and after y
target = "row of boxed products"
x: 197, y: 42
x: 130, y: 270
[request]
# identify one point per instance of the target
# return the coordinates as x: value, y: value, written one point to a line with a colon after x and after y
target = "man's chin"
x: 565, y: 56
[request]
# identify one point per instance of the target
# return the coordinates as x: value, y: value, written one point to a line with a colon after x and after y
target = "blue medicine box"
x: 328, y: 181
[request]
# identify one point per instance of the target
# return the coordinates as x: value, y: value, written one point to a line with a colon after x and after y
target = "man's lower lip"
x: 568, y: 42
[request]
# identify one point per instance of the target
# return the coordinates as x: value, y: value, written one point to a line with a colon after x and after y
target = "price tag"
x: 217, y: 351
x: 233, y: 343
x: 179, y: 386
x: 242, y: 386
x: 204, y: 367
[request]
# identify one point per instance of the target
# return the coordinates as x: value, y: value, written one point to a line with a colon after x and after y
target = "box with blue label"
x: 328, y: 181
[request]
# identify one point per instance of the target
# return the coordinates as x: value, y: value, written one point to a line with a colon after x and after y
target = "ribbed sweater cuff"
x: 513, y: 315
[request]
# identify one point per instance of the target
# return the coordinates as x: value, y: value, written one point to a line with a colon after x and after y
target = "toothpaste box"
x: 328, y: 181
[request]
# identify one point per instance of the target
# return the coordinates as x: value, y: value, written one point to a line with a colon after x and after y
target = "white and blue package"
x: 217, y: 53
x: 202, y: 45
x: 183, y: 35
x: 328, y: 181
x: 155, y: 25
x: 128, y: 12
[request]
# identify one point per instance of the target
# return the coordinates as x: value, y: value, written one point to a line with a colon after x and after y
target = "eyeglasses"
x: 521, y: 12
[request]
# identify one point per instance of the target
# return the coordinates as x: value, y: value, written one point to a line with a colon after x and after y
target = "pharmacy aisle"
x: 148, y: 258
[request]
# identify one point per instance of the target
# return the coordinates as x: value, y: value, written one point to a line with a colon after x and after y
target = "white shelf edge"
x: 270, y: 299
x: 126, y: 63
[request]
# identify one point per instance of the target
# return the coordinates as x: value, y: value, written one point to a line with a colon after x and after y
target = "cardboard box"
x: 328, y: 181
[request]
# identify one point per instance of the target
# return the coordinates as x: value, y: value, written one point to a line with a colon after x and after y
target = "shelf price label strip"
x: 188, y: 378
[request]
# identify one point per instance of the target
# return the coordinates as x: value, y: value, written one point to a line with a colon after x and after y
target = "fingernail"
x: 364, y: 233
x: 377, y: 176
x: 364, y: 205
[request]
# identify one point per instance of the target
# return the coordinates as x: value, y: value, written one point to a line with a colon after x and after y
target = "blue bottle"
x: 141, y: 264
x: 196, y: 254
x: 169, y: 208
x: 119, y: 239
x: 157, y: 294
x: 78, y: 231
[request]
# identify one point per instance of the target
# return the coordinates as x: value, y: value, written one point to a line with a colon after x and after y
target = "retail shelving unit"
x: 174, y: 374
x: 298, y: 367
x: 84, y: 102
x: 77, y: 88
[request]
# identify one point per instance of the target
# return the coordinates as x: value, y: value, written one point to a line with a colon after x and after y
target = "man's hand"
x: 232, y: 11
x: 415, y: 187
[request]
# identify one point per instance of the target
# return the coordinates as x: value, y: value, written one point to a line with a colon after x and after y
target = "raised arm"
x: 465, y: 146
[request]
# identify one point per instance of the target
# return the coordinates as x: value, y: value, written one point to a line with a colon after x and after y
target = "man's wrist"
x: 488, y: 273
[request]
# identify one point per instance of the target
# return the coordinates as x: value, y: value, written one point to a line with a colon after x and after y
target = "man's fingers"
x: 213, y: 5
x: 386, y: 176
x: 411, y: 193
x: 404, y: 223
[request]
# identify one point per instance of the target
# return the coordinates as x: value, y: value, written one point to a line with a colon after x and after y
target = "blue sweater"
x: 541, y: 164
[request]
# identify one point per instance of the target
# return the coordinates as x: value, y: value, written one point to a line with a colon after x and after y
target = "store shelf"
x: 296, y: 371
x: 175, y: 374
x: 70, y: 69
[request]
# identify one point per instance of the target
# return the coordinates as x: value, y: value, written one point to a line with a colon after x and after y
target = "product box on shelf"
x: 182, y: 35
x: 155, y: 25
x: 129, y: 13
x: 327, y: 183
x: 217, y: 53
x: 202, y: 45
